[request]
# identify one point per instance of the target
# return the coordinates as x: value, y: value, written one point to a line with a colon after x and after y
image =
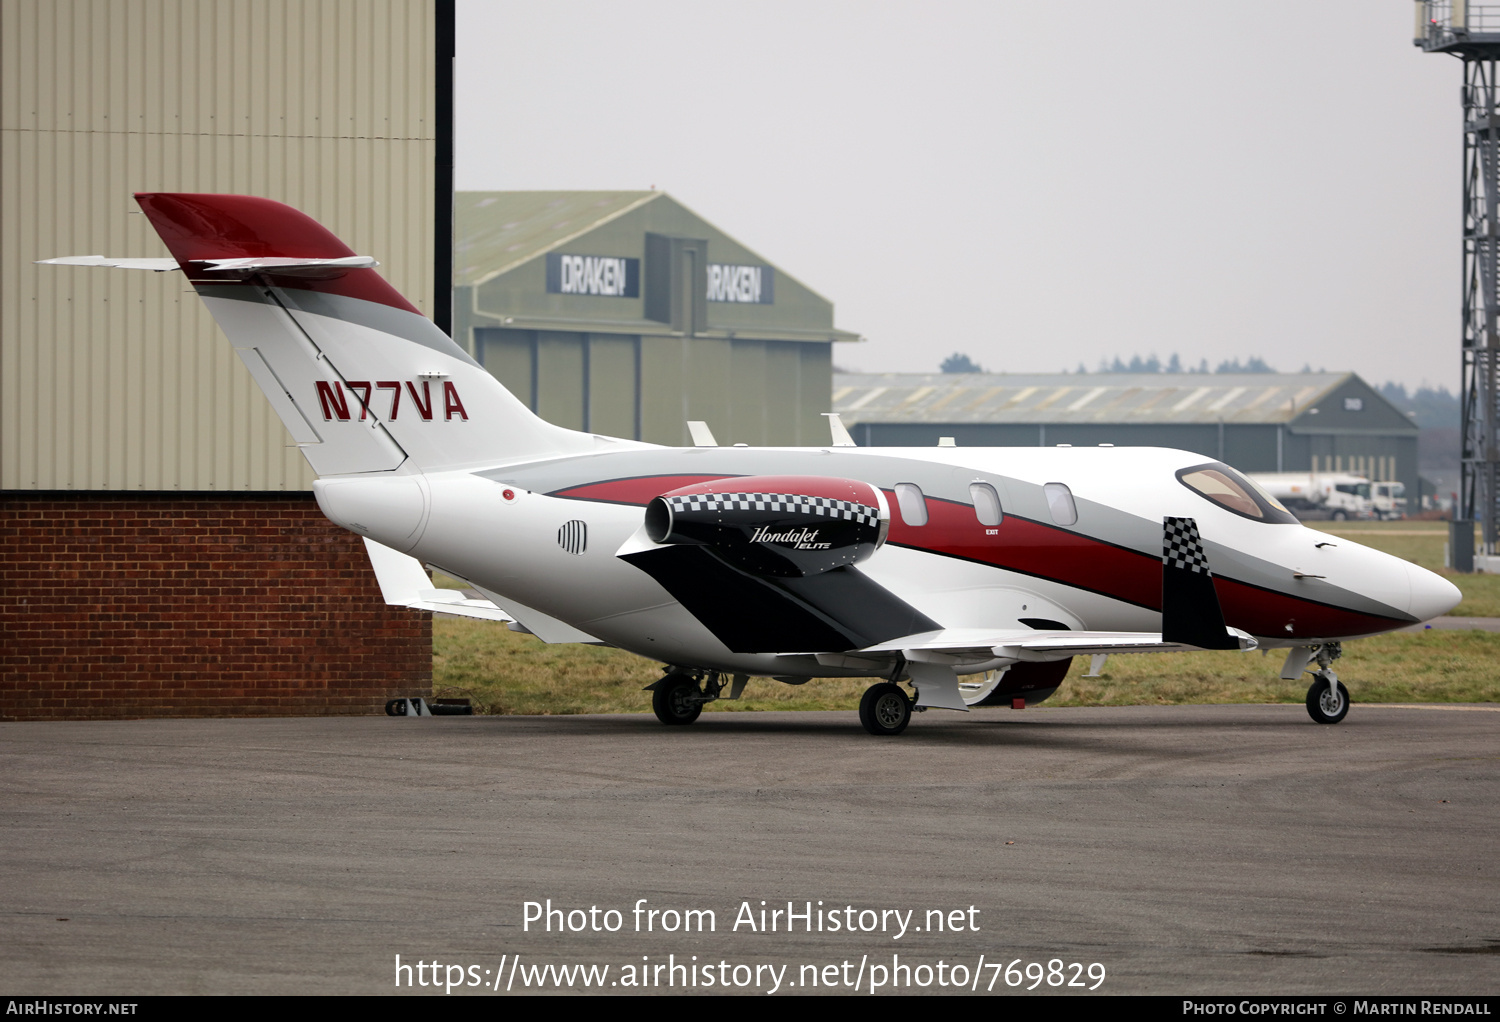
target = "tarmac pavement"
x: 1461, y: 624
x: 1185, y: 850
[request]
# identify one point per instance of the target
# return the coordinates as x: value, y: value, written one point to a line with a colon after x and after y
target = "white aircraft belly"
x: 965, y: 594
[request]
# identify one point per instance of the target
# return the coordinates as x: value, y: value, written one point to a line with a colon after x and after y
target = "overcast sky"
x: 1036, y: 185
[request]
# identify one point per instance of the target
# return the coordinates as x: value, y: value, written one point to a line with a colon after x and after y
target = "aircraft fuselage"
x: 502, y: 529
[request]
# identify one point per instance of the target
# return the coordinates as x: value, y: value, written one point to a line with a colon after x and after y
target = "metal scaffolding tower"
x: 1471, y: 32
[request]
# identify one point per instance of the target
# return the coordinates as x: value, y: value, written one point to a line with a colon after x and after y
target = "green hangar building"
x: 626, y: 314
x: 1257, y: 422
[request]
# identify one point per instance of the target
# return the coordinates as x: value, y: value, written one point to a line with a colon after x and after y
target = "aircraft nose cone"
x: 1431, y: 594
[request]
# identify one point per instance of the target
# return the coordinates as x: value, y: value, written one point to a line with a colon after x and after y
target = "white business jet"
x: 971, y: 575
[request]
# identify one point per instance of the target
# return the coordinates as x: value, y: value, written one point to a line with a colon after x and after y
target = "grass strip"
x: 502, y: 671
x: 508, y: 672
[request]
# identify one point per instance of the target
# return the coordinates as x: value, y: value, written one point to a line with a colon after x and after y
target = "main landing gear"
x: 1327, y: 699
x: 678, y: 698
x: 885, y: 709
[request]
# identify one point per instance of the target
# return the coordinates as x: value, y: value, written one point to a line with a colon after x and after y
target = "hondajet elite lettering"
x: 971, y: 575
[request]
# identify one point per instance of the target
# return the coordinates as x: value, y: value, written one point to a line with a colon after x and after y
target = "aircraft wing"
x: 404, y: 583
x: 1023, y: 644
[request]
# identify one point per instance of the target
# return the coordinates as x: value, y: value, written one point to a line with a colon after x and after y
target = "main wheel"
x: 673, y: 700
x: 885, y: 709
x: 1327, y: 704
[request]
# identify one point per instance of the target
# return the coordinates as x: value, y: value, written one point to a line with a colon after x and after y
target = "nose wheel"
x: 885, y: 709
x: 1327, y: 699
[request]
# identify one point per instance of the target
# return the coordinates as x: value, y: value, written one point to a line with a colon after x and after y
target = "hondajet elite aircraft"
x: 973, y: 575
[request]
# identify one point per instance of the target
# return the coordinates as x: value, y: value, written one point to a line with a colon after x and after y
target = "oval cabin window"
x: 986, y: 503
x: 912, y: 504
x: 1060, y: 503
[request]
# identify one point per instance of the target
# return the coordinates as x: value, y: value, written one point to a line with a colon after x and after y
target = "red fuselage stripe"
x: 1058, y: 555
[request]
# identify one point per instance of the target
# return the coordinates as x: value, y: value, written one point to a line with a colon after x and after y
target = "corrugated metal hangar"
x: 1275, y: 422
x: 627, y: 314
x: 161, y: 554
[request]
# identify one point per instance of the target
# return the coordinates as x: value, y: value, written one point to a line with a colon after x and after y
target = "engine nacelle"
x: 778, y: 526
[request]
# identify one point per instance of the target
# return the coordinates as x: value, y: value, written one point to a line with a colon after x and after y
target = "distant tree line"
x: 1428, y: 407
x: 961, y: 363
x: 957, y: 363
x: 1152, y: 364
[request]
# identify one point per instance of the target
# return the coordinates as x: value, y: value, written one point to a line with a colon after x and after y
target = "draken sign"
x: 620, y: 277
x: 606, y: 276
x: 753, y: 285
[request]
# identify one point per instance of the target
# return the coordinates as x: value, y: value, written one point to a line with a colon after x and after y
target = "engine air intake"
x: 778, y: 526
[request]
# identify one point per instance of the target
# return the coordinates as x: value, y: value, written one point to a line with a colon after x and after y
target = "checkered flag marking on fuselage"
x: 1181, y: 546
x: 792, y: 503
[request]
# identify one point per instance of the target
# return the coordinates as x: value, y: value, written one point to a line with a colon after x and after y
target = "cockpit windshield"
x: 1227, y: 488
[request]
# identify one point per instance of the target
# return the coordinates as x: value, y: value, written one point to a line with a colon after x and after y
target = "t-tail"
x: 361, y: 379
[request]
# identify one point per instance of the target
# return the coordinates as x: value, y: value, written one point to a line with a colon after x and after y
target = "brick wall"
x: 200, y: 605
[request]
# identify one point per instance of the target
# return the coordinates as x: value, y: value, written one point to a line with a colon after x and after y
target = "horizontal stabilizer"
x: 295, y: 266
x: 159, y: 265
x: 288, y: 265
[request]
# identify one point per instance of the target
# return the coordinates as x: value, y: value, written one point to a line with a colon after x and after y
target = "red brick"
x: 197, y: 605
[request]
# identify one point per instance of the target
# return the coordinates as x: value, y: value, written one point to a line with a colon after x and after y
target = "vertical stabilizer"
x: 361, y: 379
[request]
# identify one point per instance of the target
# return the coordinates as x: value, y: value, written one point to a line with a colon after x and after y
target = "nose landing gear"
x: 1327, y: 698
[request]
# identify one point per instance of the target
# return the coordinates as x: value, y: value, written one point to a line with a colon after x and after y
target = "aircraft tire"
x: 672, y: 702
x: 1325, y: 707
x: 885, y: 709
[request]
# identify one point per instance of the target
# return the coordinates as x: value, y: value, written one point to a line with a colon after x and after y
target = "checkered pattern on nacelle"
x: 1181, y: 547
x: 795, y: 503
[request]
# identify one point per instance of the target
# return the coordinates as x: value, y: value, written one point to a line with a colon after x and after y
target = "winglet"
x: 839, y: 431
x: 1190, y: 611
x: 702, y: 435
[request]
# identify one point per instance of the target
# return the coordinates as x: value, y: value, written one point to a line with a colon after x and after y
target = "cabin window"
x: 986, y: 503
x: 912, y: 504
x: 1060, y: 503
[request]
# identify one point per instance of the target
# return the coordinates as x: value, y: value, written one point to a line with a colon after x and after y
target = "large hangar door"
x: 677, y: 282
x: 581, y: 381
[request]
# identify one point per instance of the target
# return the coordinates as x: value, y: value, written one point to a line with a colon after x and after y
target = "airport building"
x: 162, y: 554
x: 627, y: 314
x: 1273, y: 422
